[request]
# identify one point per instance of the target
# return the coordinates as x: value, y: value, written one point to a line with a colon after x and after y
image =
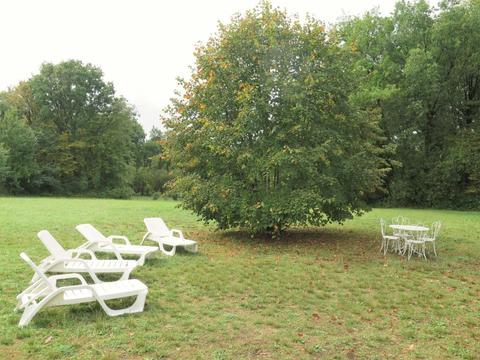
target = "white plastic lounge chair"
x: 158, y: 231
x: 97, y: 242
x: 44, y: 292
x: 69, y: 261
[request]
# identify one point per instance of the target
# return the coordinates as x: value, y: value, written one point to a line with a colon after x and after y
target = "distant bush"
x: 124, y: 192
x: 156, y: 196
x: 148, y: 181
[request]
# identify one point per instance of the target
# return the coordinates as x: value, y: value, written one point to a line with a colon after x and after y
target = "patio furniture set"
x: 45, y: 289
x: 407, y: 238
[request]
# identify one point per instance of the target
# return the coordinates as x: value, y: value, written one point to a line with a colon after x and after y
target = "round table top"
x: 409, y: 227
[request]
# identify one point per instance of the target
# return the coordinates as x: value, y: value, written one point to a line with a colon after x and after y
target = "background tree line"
x: 285, y: 123
x: 420, y: 71
x: 64, y: 131
x: 414, y: 75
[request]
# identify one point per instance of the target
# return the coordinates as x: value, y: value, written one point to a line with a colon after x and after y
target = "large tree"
x: 86, y: 137
x: 267, y: 132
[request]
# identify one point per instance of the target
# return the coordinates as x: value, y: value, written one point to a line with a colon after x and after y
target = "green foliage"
x: 419, y: 71
x: 67, y: 132
x: 266, y: 135
x: 153, y: 173
x: 281, y: 123
x: 125, y: 192
x: 4, y: 169
x: 18, y: 144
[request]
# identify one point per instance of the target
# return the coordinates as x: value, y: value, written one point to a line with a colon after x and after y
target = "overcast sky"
x: 141, y: 45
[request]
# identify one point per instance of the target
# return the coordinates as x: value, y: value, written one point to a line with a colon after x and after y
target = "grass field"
x: 322, y: 293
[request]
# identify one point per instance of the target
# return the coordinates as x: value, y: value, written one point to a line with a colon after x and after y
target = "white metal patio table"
x: 409, y: 229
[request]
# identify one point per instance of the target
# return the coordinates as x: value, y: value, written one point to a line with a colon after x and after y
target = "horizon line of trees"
x: 420, y: 71
x: 65, y: 131
x: 416, y: 72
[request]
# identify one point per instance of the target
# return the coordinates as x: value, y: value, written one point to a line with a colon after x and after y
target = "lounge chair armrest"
x: 109, y: 244
x: 179, y: 232
x: 76, y: 253
x: 119, y: 237
x: 55, y: 278
x: 147, y: 234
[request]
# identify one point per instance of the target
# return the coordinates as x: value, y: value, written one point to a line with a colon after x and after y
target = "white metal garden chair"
x: 431, y: 236
x: 69, y: 261
x: 46, y: 292
x: 415, y: 245
x: 401, y: 220
x: 97, y: 242
x: 388, y: 240
x: 158, y: 232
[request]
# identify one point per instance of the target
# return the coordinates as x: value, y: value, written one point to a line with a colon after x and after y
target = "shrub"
x: 124, y: 192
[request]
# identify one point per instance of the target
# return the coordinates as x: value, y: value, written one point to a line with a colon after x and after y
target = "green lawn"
x: 321, y: 293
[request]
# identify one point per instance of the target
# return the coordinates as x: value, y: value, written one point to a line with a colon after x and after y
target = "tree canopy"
x: 267, y: 132
x: 65, y: 131
x: 420, y: 69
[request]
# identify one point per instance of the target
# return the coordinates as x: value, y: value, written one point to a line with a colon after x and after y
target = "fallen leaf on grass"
x: 48, y: 339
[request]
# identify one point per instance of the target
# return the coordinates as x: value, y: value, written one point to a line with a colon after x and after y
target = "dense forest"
x: 64, y: 131
x: 415, y: 73
x: 420, y: 72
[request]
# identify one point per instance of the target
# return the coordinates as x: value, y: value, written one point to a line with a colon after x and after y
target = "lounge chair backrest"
x: 52, y: 245
x: 38, y: 271
x: 156, y: 226
x: 90, y: 233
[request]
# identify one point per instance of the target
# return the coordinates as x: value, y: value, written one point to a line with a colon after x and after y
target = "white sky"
x: 141, y: 45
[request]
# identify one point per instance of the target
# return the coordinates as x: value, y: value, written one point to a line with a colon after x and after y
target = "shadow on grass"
x: 304, y: 237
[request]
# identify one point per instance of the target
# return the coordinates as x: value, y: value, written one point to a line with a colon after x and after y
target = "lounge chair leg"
x: 28, y: 315
x: 144, y: 238
x: 166, y: 252
x: 30, y: 311
x: 434, y: 249
x: 126, y: 275
x: 192, y: 248
x: 141, y: 260
x: 137, y: 306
